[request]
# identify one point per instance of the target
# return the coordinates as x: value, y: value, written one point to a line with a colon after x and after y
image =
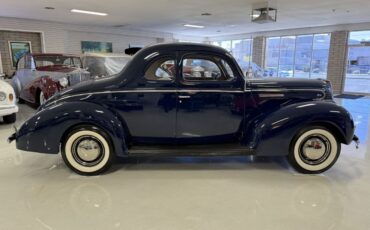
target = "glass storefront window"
x: 358, y: 63
x: 303, y: 56
x: 241, y: 50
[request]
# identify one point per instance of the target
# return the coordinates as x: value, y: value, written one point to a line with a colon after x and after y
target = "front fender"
x: 47, y: 85
x: 271, y: 134
x: 44, y: 131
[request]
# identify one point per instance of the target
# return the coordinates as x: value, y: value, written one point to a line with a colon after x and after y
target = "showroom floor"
x: 39, y: 192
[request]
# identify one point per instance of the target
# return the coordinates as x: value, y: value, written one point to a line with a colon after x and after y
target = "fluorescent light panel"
x: 88, y: 12
x: 194, y: 26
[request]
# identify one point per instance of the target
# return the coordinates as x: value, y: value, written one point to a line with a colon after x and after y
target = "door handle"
x: 184, y: 97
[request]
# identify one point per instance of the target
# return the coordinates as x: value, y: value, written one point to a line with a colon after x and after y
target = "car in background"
x: 105, y: 64
x: 40, y: 76
x: 8, y: 106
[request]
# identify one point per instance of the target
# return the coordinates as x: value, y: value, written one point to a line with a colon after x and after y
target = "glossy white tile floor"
x: 39, y: 192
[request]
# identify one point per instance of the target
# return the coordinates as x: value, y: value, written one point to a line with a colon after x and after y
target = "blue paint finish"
x: 261, y: 115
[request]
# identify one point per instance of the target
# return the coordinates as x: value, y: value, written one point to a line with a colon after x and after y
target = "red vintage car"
x: 40, y: 76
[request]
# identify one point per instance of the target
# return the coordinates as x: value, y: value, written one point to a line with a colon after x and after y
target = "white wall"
x: 66, y: 38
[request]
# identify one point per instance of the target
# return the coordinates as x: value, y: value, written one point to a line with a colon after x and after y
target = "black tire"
x: 73, y: 150
x: 314, y: 150
x: 10, y: 119
x: 21, y: 101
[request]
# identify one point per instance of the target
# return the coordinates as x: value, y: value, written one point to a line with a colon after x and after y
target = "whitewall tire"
x: 314, y: 150
x: 87, y: 150
x: 42, y: 98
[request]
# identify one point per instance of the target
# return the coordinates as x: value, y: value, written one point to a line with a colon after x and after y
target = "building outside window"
x: 358, y: 63
x: 302, y: 56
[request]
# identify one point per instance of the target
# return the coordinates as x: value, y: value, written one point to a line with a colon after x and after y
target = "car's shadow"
x: 201, y: 163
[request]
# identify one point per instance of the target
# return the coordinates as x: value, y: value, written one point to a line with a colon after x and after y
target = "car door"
x: 210, y: 100
x: 149, y: 105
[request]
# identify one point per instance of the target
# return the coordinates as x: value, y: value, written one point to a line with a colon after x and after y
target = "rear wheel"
x: 10, y: 118
x: 314, y: 150
x: 87, y: 150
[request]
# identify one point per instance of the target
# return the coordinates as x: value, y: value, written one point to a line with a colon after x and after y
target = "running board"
x: 190, y: 150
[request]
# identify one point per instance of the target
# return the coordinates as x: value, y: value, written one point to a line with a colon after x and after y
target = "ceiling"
x: 228, y: 16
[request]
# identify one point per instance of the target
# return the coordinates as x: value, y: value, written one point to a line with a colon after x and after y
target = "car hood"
x: 6, y: 87
x: 278, y: 83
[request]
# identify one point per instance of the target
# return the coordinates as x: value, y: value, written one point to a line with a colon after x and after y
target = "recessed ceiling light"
x: 49, y: 8
x: 194, y: 26
x: 88, y: 12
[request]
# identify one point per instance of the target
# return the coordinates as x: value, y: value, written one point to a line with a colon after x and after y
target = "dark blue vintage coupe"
x: 189, y: 99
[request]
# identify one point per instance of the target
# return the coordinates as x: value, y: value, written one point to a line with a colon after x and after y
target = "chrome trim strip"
x: 138, y: 90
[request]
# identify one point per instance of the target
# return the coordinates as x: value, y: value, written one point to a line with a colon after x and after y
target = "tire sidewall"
x: 294, y: 155
x: 68, y: 158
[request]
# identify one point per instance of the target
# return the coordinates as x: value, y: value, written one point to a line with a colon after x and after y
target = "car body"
x: 214, y: 110
x: 40, y: 76
x: 8, y: 106
x: 105, y: 64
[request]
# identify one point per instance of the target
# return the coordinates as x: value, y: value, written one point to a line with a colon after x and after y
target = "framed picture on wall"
x: 96, y: 47
x: 17, y: 49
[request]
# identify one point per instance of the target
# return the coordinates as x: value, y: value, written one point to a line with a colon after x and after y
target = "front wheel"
x: 87, y: 151
x: 9, y: 119
x: 314, y: 150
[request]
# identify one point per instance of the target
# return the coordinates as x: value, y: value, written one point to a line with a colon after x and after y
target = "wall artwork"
x: 17, y: 49
x: 96, y: 47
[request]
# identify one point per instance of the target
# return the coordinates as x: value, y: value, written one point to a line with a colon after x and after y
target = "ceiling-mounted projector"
x: 263, y: 13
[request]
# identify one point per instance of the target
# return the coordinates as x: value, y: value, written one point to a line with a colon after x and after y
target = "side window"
x: 28, y: 62
x: 21, y: 63
x: 162, y: 69
x: 67, y: 61
x: 77, y: 62
x: 206, y: 68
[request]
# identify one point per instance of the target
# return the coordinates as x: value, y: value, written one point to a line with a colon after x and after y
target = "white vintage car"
x: 8, y: 105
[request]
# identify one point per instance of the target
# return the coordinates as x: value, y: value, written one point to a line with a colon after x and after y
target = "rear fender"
x: 45, y: 130
x: 271, y: 134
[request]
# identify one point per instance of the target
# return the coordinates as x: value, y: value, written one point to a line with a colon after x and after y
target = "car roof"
x: 183, y: 46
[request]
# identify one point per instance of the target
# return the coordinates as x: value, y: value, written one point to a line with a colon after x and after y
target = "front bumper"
x: 356, y: 140
x: 8, y: 109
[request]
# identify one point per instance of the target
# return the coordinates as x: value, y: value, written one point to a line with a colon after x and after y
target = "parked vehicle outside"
x: 8, y: 106
x: 40, y: 76
x: 105, y: 64
x: 202, y: 105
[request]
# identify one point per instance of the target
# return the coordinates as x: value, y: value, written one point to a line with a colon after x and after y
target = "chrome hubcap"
x: 88, y: 151
x: 315, y: 149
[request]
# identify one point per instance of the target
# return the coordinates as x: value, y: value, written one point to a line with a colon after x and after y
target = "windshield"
x: 42, y: 61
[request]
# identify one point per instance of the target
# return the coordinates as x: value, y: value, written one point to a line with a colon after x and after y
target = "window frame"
x: 199, y: 55
x: 155, y: 59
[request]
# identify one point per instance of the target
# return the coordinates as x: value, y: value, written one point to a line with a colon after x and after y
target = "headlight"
x: 63, y: 82
x: 2, y: 96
